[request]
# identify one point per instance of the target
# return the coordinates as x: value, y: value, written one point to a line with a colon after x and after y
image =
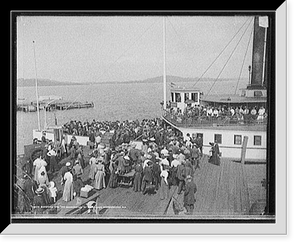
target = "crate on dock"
x: 86, y: 191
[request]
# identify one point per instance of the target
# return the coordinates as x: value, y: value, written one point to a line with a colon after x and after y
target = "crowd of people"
x: 207, y: 113
x: 164, y: 160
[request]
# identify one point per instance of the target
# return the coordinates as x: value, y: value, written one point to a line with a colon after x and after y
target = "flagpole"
x: 36, y: 90
x: 164, y: 64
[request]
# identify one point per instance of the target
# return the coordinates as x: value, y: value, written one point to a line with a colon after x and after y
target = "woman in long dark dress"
x: 113, y: 179
x: 215, y: 153
x: 53, y: 163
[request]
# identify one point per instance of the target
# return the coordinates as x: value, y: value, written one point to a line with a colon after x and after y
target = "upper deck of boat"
x: 215, y: 124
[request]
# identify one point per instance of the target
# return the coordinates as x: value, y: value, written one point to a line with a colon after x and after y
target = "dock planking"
x: 222, y: 190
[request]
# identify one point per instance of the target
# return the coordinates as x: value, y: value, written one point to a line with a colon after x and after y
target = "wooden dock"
x: 221, y: 191
x: 57, y: 105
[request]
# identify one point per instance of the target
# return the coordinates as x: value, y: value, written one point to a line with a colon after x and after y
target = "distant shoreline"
x: 174, y: 79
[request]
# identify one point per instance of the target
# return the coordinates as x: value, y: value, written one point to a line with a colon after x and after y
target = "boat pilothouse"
x: 234, y: 121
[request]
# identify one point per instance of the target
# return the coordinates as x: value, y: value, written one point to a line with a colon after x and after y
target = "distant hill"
x: 21, y: 82
x: 46, y: 82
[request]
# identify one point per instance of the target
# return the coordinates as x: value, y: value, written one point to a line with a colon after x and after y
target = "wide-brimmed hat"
x: 101, y: 146
x: 188, y: 177
x: 39, y: 191
x: 51, y: 184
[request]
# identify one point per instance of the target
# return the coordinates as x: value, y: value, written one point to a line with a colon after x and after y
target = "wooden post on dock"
x: 244, y: 148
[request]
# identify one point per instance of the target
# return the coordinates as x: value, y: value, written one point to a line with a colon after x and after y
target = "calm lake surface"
x: 122, y: 101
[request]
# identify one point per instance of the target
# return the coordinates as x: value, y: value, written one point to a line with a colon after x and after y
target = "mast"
x: 164, y: 64
x: 36, y: 90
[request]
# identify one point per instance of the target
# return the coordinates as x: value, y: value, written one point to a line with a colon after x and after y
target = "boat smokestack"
x: 258, y: 56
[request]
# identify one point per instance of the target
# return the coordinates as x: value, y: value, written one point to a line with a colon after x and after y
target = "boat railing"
x: 211, y: 121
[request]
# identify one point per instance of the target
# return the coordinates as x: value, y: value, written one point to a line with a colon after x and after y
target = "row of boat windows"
x: 237, y: 139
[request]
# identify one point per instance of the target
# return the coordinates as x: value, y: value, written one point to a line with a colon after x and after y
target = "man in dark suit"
x: 147, y: 178
x: 189, y: 195
x: 180, y: 176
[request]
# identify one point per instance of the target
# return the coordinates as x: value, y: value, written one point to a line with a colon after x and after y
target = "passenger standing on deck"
x: 189, y: 195
x: 195, y: 155
x: 68, y: 192
x: 63, y: 147
x: 53, y: 163
x: 137, y: 181
x: 164, y: 186
x: 147, y: 178
x: 38, y: 163
x: 67, y: 167
x: 77, y: 169
x: 181, y: 177
x: 92, y: 163
x: 113, y: 179
x: 99, y: 182
x: 215, y: 153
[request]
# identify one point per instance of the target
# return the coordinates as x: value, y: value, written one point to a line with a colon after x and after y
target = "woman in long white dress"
x: 99, y: 182
x: 68, y: 192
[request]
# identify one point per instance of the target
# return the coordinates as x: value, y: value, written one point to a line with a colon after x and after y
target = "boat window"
x: 196, y: 135
x: 257, y: 140
x: 237, y: 139
x: 186, y: 96
x: 218, y: 138
x: 258, y: 93
x: 177, y: 97
x: 195, y: 97
x: 172, y: 97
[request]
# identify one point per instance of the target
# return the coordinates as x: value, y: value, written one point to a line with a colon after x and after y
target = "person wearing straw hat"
x: 67, y: 167
x: 189, y: 195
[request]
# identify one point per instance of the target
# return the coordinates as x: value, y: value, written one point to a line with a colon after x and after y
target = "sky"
x: 121, y: 48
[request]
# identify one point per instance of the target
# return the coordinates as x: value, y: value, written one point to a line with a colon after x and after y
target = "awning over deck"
x: 227, y: 99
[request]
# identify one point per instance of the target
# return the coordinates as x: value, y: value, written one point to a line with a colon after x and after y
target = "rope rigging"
x: 228, y: 59
x: 221, y: 52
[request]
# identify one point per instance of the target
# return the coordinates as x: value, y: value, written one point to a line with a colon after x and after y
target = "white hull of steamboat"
x: 231, y: 137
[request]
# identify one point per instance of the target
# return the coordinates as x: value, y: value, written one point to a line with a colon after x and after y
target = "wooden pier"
x: 225, y: 191
x: 57, y: 105
x: 222, y: 191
